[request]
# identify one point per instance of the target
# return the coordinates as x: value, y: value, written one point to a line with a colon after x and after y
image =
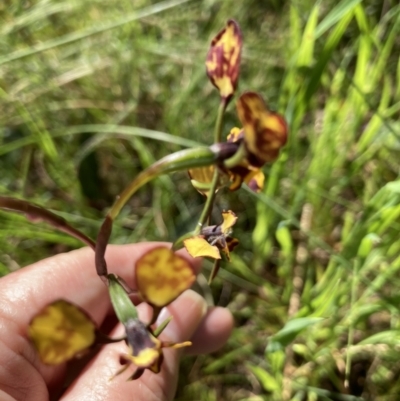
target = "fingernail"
x: 187, y: 311
x: 164, y: 314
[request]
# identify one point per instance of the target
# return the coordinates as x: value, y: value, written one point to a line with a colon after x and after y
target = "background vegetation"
x: 91, y: 92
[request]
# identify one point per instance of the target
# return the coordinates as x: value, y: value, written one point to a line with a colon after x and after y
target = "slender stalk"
x: 214, y: 270
x: 179, y: 242
x: 102, y: 338
x: 209, y: 203
x: 237, y: 158
x: 158, y: 330
x: 220, y: 120
x: 38, y: 213
x: 299, y: 275
x: 213, y: 188
x: 350, y: 338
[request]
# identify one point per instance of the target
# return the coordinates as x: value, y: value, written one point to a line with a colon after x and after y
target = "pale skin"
x: 72, y: 276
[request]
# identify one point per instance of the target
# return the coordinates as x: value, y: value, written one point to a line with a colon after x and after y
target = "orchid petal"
x: 198, y: 246
x: 162, y: 275
x: 265, y: 132
x: 61, y: 331
x: 223, y: 59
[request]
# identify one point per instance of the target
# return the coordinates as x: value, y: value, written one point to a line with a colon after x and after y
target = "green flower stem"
x: 237, y: 158
x: 183, y: 160
x: 214, y: 270
x: 179, y: 242
x: 37, y: 213
x: 213, y: 187
x: 123, y: 306
x: 209, y: 203
x: 162, y: 326
x: 102, y: 338
x: 220, y: 120
x: 203, y: 218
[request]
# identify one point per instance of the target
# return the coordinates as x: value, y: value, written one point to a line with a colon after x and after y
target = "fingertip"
x: 188, y: 311
x: 213, y: 332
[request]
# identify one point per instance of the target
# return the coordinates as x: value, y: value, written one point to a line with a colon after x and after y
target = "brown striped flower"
x: 264, y: 131
x: 223, y: 60
x: 263, y: 134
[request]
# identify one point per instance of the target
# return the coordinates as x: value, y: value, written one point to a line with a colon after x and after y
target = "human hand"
x: 72, y: 276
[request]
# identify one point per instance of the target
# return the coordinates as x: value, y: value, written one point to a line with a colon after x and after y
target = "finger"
x: 213, y: 332
x: 188, y: 312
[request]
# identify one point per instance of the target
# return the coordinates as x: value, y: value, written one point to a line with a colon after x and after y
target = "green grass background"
x: 92, y: 92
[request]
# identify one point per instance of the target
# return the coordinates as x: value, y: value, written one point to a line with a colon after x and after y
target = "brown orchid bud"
x: 223, y: 60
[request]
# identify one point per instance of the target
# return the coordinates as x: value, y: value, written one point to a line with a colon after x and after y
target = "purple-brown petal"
x: 265, y: 132
x: 223, y: 59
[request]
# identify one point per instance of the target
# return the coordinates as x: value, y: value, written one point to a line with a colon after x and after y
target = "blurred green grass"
x: 93, y: 92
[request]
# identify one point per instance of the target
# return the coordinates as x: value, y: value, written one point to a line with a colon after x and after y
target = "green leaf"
x: 3, y: 270
x: 367, y: 243
x: 284, y: 238
x: 108, y: 131
x: 390, y: 337
x: 268, y: 382
x: 94, y: 30
x: 393, y: 186
x: 289, y: 332
x: 330, y: 45
x: 306, y: 51
x: 335, y: 15
x: 123, y: 306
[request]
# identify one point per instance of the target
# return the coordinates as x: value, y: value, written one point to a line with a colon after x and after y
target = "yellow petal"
x: 223, y: 59
x: 198, y: 246
x: 230, y: 219
x: 60, y: 331
x: 230, y: 245
x: 201, y: 179
x: 236, y: 182
x: 235, y: 134
x: 177, y: 345
x: 146, y: 358
x: 265, y: 132
x: 162, y: 275
x: 255, y: 180
x: 202, y: 174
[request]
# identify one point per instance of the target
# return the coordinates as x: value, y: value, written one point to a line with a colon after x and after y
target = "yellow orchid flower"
x: 213, y: 239
x: 145, y: 348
